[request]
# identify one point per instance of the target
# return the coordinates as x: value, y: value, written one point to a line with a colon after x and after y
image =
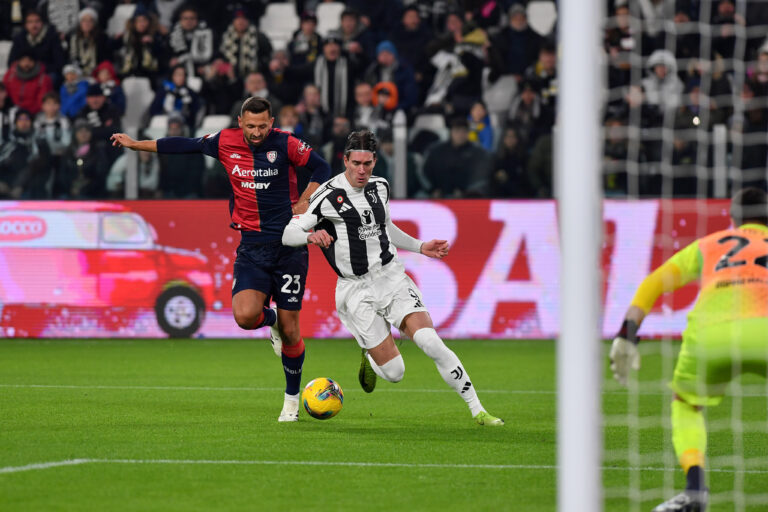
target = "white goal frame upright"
x: 578, y: 143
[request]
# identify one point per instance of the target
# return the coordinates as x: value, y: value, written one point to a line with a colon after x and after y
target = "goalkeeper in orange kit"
x: 727, y: 331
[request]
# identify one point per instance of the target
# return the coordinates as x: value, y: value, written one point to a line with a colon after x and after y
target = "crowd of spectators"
x: 61, y: 96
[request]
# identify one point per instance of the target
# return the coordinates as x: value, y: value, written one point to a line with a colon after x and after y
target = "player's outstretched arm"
x: 435, y: 249
x: 122, y: 140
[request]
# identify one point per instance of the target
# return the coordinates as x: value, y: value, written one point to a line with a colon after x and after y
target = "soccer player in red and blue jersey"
x: 261, y: 161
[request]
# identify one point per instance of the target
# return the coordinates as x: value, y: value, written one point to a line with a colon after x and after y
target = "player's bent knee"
x: 394, y: 369
x: 247, y: 319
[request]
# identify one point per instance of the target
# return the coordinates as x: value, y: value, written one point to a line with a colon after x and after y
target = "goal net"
x: 685, y: 125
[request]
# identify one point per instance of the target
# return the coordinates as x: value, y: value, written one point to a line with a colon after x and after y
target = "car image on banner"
x: 89, y: 267
x: 97, y: 269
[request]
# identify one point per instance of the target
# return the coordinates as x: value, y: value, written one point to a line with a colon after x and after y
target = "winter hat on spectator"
x: 106, y: 65
x: 94, y: 90
x: 88, y: 11
x: 516, y: 9
x: 81, y: 124
x: 22, y: 112
x: 386, y: 46
x: 692, y: 83
x: 333, y: 37
x: 141, y: 10
x: 72, y: 68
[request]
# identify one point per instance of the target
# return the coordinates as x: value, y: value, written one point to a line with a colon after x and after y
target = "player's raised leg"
x: 250, y: 312
x: 418, y: 326
x: 386, y: 361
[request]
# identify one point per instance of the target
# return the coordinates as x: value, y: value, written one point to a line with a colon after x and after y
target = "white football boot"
x: 290, y: 410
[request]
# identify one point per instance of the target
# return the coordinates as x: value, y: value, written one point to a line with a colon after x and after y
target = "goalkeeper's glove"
x: 624, y: 354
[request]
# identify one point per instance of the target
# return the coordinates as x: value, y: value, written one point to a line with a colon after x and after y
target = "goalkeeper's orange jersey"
x: 732, y: 266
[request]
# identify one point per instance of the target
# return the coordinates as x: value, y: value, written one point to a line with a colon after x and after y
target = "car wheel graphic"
x: 180, y: 311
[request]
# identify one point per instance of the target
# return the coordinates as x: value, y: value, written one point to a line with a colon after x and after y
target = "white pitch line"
x: 76, y: 462
x: 380, y: 390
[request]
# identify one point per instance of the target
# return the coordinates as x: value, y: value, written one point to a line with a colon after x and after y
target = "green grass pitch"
x: 192, y: 425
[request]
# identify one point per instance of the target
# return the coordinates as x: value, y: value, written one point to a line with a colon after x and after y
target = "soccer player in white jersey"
x: 373, y: 292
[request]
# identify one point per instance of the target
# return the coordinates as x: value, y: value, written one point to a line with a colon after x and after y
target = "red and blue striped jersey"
x: 263, y: 178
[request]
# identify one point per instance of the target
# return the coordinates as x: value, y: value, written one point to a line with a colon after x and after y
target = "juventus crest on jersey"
x: 357, y: 220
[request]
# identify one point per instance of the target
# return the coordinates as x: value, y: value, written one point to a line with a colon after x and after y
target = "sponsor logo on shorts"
x: 293, y: 299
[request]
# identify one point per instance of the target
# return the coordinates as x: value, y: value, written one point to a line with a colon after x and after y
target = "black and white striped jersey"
x: 357, y: 220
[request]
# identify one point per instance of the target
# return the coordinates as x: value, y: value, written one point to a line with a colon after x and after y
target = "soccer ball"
x: 322, y: 398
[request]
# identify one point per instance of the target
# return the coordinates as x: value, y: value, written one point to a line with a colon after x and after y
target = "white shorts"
x: 370, y: 305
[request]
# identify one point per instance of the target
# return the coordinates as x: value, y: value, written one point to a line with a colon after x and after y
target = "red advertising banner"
x: 154, y: 268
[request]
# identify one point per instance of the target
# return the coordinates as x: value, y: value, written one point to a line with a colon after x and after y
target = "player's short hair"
x: 256, y: 105
x: 361, y: 140
x: 749, y: 205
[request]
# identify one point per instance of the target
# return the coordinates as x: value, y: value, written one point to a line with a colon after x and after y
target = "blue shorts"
x: 275, y: 269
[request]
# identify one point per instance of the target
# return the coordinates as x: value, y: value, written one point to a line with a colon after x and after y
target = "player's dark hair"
x: 749, y: 205
x: 256, y: 105
x: 361, y: 140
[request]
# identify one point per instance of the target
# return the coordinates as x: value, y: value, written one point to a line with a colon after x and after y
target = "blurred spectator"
x: 11, y: 18
x: 388, y: 68
x: 540, y: 167
x: 282, y: 78
x: 144, y: 52
x: 380, y: 16
x: 220, y: 86
x: 452, y: 34
x: 621, y: 40
x: 480, y: 129
x: 334, y: 74
x: 41, y: 42
x: 181, y: 175
x: 255, y: 85
x: 526, y: 114
x: 244, y: 46
x: 27, y: 82
x: 86, y: 45
x: 485, y: 14
x: 357, y: 40
x: 411, y: 38
x: 103, y: 119
x: 73, y: 91
x: 175, y: 96
x: 615, y: 154
x: 312, y: 116
x: 191, y: 42
x: 457, y: 168
x: 306, y: 43
x: 434, y: 12
x: 515, y: 48
x: 757, y: 74
x: 7, y: 113
x: 748, y: 135
x: 662, y: 88
x: 61, y: 14
x: 167, y: 12
x: 363, y: 108
x: 416, y: 186
x: 147, y: 172
x: 84, y: 167
x: 544, y: 73
x: 106, y: 77
x: 333, y: 150
x: 53, y: 127
x: 725, y: 23
x: 688, y: 40
x: 22, y: 160
x: 509, y: 177
x: 288, y: 120
x: 385, y: 100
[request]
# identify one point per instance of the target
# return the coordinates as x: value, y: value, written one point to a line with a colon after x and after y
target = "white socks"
x: 449, y: 366
x: 393, y: 370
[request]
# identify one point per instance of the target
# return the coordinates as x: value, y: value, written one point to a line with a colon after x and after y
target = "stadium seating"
x: 214, y: 123
x: 542, y: 15
x: 279, y: 23
x: 158, y: 126
x: 498, y: 96
x: 138, y: 98
x: 329, y: 16
x: 434, y: 123
x: 5, y: 51
x: 116, y: 24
